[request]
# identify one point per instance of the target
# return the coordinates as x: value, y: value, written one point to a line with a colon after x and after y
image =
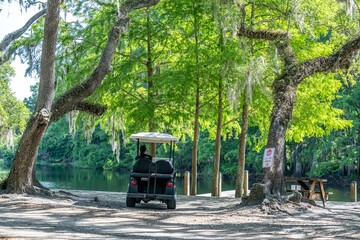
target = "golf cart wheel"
x: 130, y: 202
x: 171, y: 204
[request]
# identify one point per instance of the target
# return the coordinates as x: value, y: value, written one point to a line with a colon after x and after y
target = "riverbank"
x: 95, y: 215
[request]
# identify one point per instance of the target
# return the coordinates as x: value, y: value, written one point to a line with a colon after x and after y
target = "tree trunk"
x: 244, y: 126
x: 298, y: 169
x: 285, y: 160
x: 285, y: 96
x: 216, y: 170
x: 150, y: 73
x: 312, y: 155
x: 350, y: 169
x: 242, y: 149
x: 194, y: 162
x: 297, y: 156
x: 195, y: 144
x: 20, y: 179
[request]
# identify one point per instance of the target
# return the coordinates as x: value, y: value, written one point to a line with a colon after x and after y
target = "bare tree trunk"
x: 216, y: 170
x: 242, y: 150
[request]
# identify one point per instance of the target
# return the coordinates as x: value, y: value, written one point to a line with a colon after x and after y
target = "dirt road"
x: 199, y: 217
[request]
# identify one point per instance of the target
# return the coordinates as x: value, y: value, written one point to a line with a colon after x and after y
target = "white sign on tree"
x: 268, y: 157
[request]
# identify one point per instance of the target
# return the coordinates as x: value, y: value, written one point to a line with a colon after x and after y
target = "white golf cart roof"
x: 153, y: 137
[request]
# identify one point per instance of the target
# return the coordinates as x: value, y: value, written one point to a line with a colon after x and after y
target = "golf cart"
x: 152, y: 178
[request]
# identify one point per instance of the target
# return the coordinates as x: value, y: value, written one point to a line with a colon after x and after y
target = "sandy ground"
x: 201, y: 217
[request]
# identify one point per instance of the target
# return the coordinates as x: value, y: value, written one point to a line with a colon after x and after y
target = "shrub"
x: 324, y: 169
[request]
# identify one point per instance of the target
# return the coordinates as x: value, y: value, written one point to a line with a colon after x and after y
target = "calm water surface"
x: 87, y: 179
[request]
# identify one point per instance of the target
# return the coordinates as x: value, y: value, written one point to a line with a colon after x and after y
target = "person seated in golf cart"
x: 143, y: 161
x: 143, y: 153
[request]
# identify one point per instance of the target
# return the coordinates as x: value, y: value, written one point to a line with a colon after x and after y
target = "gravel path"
x: 201, y: 217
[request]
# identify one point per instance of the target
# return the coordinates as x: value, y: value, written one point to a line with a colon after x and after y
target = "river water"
x: 87, y: 179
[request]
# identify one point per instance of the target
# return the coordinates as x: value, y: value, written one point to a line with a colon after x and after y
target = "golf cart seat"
x: 142, y: 165
x: 164, y: 166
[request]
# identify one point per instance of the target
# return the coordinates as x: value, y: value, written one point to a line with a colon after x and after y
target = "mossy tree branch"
x: 6, y: 49
x: 86, y: 88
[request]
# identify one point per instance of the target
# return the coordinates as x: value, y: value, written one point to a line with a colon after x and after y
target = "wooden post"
x: 187, y: 183
x: 246, y: 183
x: 219, y: 184
x: 353, y: 191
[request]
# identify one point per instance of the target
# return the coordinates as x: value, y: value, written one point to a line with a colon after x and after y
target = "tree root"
x: 273, y: 204
x: 45, y: 192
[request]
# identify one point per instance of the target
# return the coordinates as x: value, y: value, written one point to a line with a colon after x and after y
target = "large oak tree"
x: 21, y: 178
x: 293, y: 72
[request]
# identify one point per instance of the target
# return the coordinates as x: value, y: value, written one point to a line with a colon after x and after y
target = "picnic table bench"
x: 308, y: 187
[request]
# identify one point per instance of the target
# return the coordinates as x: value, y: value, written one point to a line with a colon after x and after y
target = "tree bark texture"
x: 47, y: 66
x: 242, y: 149
x: 284, y: 100
x: 47, y: 110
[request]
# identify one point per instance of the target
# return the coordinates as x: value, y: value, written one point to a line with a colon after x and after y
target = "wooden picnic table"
x: 308, y: 187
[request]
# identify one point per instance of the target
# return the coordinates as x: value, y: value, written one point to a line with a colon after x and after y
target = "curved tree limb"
x: 90, y: 108
x: 83, y: 90
x: 280, y: 38
x: 341, y: 59
x: 263, y: 34
x: 5, y: 56
x: 93, y: 109
x: 16, y: 34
